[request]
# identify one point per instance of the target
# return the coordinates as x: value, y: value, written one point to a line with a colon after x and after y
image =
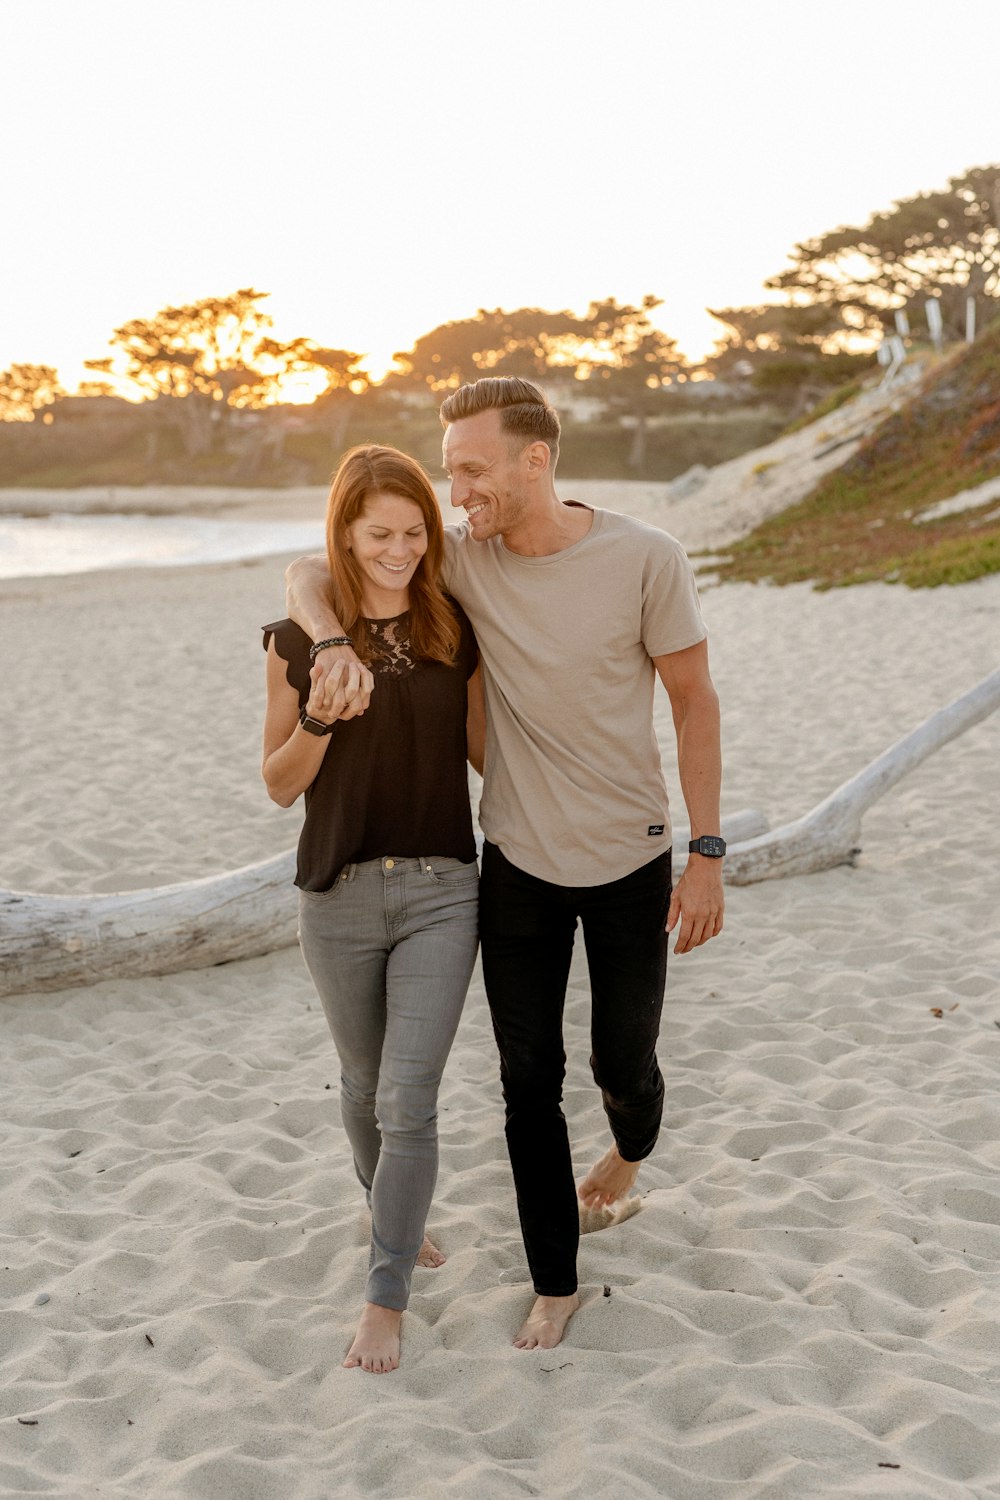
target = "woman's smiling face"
x: 388, y: 540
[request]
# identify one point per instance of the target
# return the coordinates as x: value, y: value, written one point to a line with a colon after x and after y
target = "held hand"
x: 346, y: 682
x: 698, y: 903
x: 332, y: 693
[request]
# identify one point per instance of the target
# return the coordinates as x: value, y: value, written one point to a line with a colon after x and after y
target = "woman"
x: 387, y: 874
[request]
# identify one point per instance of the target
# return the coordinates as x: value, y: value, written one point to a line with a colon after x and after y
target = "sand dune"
x: 806, y: 1303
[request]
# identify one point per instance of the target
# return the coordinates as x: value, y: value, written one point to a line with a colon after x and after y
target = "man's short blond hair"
x: 524, y: 412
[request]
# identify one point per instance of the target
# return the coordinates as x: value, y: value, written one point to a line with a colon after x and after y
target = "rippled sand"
x: 808, y: 1296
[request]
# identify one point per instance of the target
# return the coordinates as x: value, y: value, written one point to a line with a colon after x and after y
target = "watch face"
x: 313, y: 726
x: 708, y: 845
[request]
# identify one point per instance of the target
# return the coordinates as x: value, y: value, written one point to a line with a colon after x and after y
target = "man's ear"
x: 538, y: 459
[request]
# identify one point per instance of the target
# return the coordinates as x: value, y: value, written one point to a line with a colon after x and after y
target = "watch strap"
x: 314, y: 726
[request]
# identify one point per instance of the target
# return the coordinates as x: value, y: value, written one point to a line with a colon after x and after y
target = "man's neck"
x: 560, y: 525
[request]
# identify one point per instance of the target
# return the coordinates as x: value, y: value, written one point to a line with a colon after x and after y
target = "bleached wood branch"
x: 831, y: 834
x: 51, y: 942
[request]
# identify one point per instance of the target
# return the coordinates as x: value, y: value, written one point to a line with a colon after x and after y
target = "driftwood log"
x: 831, y: 834
x: 53, y: 942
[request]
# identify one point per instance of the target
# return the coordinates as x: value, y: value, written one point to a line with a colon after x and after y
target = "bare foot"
x: 593, y: 1219
x: 608, y: 1180
x: 546, y: 1323
x: 429, y: 1254
x: 376, y: 1343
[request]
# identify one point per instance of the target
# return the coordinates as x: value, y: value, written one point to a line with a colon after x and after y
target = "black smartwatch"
x: 709, y: 845
x: 314, y: 726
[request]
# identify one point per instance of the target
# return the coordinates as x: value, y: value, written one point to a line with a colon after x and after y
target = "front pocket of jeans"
x: 322, y: 898
x: 456, y: 874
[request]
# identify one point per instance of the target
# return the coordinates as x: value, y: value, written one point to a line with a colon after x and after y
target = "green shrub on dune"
x: 861, y: 523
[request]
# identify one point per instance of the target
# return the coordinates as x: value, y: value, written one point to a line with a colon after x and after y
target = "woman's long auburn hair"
x: 375, y: 470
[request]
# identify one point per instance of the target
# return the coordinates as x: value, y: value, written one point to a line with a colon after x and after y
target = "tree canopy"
x: 525, y: 342
x: 205, y: 347
x: 339, y: 368
x: 789, y: 353
x: 843, y: 288
x: 221, y: 348
x: 625, y: 351
x: 943, y: 244
x: 24, y: 389
x: 613, y: 344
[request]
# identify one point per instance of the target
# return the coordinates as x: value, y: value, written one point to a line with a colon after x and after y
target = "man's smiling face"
x: 487, y: 473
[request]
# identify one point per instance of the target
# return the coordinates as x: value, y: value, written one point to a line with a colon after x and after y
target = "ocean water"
x: 31, y: 547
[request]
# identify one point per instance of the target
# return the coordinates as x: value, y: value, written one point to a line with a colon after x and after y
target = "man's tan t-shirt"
x: 574, y: 790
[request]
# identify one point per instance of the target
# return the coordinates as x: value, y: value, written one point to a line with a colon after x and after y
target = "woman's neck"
x: 385, y: 607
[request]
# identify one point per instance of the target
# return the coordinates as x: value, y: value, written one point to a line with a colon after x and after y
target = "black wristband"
x: 315, y: 726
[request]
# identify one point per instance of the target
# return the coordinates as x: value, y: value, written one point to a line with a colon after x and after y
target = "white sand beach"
x: 807, y: 1304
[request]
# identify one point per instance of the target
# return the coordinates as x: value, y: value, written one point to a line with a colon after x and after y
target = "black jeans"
x: 526, y: 929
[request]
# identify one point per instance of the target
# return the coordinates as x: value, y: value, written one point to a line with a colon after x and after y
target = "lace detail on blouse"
x: 389, y: 642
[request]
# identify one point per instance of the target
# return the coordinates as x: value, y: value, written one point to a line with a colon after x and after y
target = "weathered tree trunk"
x: 51, y: 942
x: 831, y: 834
x: 637, y: 447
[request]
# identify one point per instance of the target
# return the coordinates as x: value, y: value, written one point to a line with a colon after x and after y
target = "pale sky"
x: 385, y: 166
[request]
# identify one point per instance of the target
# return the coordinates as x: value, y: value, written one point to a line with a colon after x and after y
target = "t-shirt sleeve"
x: 292, y: 645
x: 467, y: 657
x: 453, y: 540
x: 671, y: 612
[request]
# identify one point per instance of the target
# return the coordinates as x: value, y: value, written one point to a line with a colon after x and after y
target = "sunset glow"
x: 258, y: 159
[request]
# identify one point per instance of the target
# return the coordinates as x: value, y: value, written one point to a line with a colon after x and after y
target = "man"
x: 576, y: 611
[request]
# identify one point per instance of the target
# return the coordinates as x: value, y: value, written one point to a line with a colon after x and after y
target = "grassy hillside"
x: 858, y: 524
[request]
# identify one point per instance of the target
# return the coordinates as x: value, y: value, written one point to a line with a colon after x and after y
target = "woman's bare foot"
x: 608, y: 1180
x: 430, y: 1255
x: 376, y: 1343
x: 546, y: 1323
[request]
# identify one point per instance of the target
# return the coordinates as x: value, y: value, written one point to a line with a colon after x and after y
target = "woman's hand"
x: 341, y: 692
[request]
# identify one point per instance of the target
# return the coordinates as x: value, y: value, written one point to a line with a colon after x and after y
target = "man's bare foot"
x: 594, y: 1219
x: 608, y: 1180
x: 546, y: 1323
x: 430, y: 1255
x: 376, y: 1343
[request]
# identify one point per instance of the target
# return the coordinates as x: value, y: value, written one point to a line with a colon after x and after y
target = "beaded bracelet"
x: 335, y: 640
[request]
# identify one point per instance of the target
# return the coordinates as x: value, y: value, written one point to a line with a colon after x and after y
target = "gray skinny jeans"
x: 391, y: 948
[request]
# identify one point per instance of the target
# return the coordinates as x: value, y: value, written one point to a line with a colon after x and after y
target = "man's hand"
x: 698, y: 903
x: 307, y: 599
x: 341, y: 685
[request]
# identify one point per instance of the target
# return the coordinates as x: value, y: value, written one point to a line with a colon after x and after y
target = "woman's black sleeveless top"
x: 393, y: 781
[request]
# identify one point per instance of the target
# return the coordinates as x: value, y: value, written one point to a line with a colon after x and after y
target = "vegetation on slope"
x: 860, y: 524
